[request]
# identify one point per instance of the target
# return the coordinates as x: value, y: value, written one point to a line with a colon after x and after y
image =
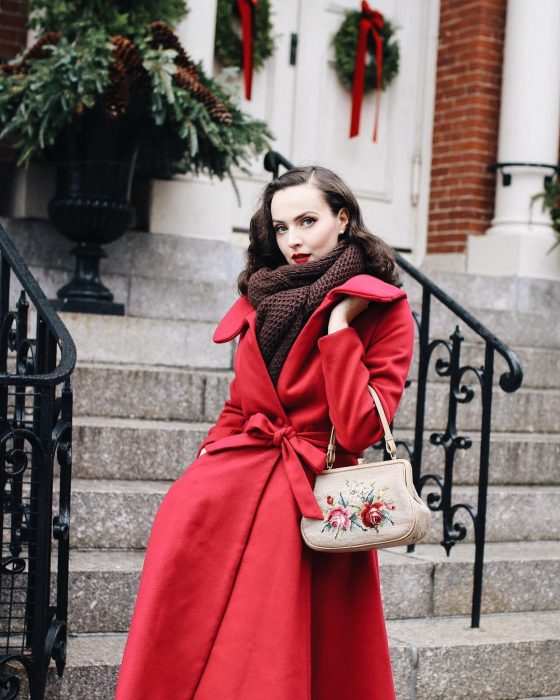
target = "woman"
x: 232, y: 605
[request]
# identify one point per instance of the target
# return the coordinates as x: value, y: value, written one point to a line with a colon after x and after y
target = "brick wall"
x: 467, y: 106
x: 13, y: 37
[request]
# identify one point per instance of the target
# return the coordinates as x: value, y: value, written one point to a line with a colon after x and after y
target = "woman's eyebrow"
x: 310, y: 211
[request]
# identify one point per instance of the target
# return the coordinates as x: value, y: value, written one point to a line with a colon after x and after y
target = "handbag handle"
x: 387, y: 435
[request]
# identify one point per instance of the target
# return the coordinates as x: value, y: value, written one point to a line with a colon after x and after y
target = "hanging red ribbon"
x: 247, y: 13
x: 370, y: 21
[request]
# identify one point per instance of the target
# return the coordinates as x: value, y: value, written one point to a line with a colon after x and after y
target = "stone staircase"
x: 149, y: 385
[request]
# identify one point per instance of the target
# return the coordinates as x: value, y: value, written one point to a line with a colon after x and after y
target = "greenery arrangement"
x: 125, y: 56
x: 345, y: 41
x: 551, y: 201
x: 228, y: 47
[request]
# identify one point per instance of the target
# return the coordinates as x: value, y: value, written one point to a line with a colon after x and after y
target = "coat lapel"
x: 243, y: 314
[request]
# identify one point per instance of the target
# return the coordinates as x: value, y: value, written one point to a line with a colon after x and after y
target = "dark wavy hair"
x: 263, y: 251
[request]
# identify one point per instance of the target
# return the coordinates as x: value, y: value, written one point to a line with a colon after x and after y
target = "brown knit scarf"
x: 287, y: 296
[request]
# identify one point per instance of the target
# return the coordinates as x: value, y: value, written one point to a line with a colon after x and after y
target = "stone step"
x: 485, y: 293
x: 443, y: 658
x: 143, y: 391
x: 185, y: 339
x: 432, y: 659
x: 144, y: 257
x: 122, y: 448
x: 515, y: 329
x: 516, y: 310
x: 157, y: 275
x: 114, y: 513
x: 540, y: 365
x: 103, y: 583
x: 513, y: 513
x: 160, y: 392
x: 139, y: 340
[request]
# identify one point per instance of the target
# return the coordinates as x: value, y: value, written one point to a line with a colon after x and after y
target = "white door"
x: 308, y: 111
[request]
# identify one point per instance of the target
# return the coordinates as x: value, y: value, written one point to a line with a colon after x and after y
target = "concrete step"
x: 540, y: 365
x: 165, y: 276
x: 114, y: 513
x: 513, y: 513
x: 122, y: 448
x: 517, y: 310
x: 515, y: 458
x: 486, y: 293
x: 439, y: 659
x: 154, y: 392
x: 144, y: 391
x: 159, y: 392
x: 103, y: 583
x: 527, y: 410
x: 515, y: 329
x: 157, y: 275
x: 139, y: 340
x: 432, y: 659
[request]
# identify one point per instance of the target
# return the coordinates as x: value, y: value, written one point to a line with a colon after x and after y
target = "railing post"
x: 480, y: 526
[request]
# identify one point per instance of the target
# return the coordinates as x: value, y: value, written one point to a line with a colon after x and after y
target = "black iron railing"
x: 35, y: 452
x: 451, y: 368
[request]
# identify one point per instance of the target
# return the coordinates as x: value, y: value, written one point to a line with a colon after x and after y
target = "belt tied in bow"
x: 259, y: 430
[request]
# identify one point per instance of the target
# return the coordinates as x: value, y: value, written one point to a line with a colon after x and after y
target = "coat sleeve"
x: 230, y: 421
x: 348, y: 368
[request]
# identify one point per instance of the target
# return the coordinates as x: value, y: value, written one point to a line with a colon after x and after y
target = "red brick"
x: 466, y: 120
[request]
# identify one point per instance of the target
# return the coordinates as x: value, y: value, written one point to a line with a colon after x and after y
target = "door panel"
x: 309, y: 112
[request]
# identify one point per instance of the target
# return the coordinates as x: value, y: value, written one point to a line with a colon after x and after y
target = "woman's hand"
x: 345, y: 311
x: 202, y: 452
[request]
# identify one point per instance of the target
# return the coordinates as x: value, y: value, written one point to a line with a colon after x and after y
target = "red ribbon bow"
x: 259, y: 430
x: 247, y: 13
x: 371, y: 21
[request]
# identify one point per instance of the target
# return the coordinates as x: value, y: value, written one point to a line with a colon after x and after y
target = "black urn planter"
x: 95, y: 158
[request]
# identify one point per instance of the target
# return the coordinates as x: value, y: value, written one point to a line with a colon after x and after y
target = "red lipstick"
x: 300, y: 257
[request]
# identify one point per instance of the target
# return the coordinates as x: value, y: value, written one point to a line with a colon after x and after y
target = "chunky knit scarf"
x: 287, y: 296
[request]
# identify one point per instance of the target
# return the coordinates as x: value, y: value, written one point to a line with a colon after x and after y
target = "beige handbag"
x: 366, y: 506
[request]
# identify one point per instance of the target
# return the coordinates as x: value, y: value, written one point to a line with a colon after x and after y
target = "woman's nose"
x: 294, y: 237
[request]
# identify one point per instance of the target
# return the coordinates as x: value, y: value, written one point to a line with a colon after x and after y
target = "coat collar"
x: 364, y: 286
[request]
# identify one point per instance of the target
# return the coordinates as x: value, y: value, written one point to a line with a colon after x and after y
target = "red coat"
x: 232, y: 605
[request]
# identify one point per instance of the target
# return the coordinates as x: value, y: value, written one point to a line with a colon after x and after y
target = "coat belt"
x: 260, y: 431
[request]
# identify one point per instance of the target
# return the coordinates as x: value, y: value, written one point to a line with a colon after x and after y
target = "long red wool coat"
x: 232, y: 605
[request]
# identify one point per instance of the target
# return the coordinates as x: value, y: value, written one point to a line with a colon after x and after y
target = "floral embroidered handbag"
x: 366, y: 506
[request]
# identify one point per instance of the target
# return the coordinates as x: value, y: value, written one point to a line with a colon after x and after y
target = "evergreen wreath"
x: 345, y: 42
x: 228, y: 46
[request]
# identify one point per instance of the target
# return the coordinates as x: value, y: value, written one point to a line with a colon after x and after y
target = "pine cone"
x: 218, y: 112
x: 131, y: 59
x: 163, y: 34
x: 118, y: 92
x: 35, y: 51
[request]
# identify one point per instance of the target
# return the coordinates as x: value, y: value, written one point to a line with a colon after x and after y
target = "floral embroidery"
x: 359, y: 507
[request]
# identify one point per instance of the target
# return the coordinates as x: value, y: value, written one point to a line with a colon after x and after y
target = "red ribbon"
x: 247, y: 13
x: 370, y: 21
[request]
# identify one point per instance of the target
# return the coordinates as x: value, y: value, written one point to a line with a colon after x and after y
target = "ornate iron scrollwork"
x: 35, y: 430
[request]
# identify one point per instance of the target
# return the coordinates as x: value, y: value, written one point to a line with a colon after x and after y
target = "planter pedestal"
x: 95, y: 159
x: 85, y: 291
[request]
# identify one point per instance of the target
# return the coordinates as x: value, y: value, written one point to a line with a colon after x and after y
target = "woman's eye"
x: 281, y: 226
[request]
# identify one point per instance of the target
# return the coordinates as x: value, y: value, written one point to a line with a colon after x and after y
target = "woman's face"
x: 303, y: 224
